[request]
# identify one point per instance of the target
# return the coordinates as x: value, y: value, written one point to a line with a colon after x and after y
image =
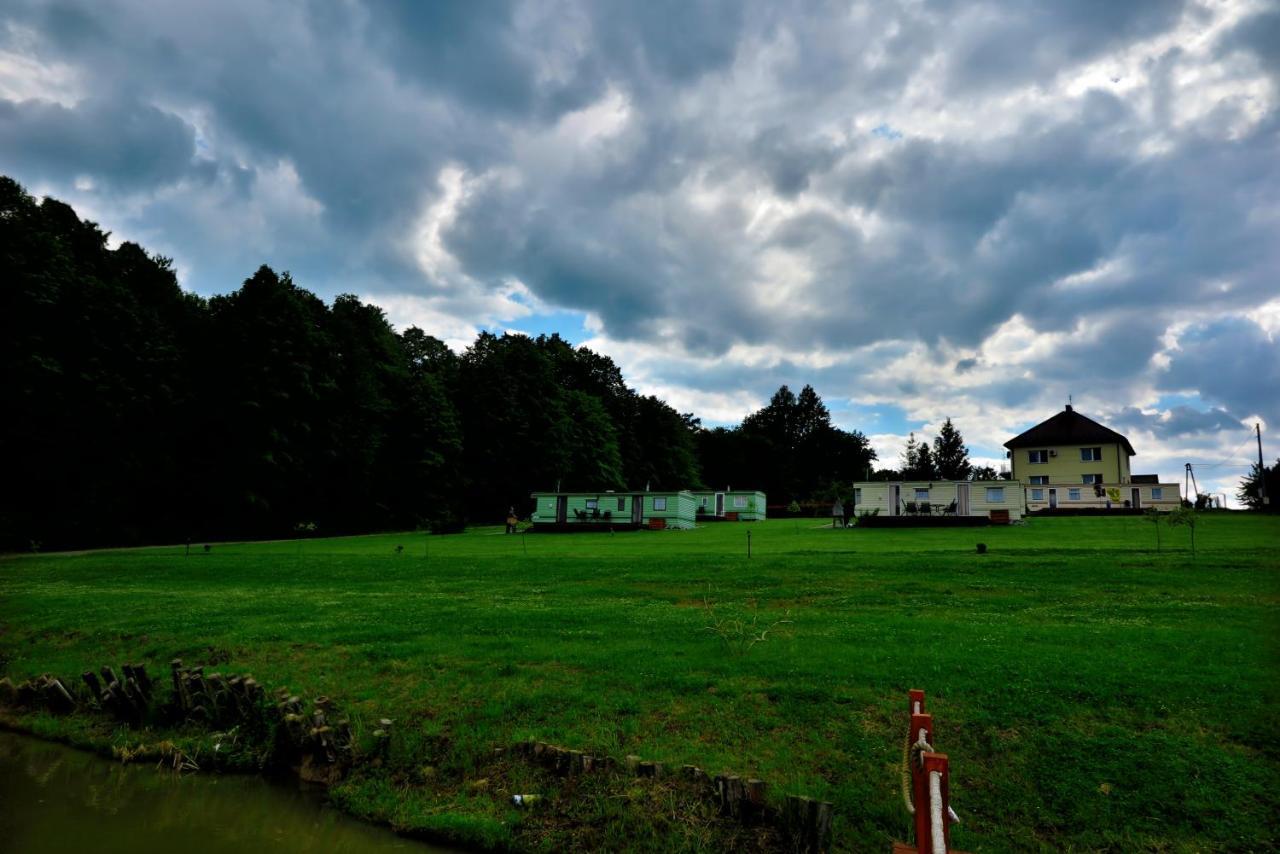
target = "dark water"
x: 55, y: 799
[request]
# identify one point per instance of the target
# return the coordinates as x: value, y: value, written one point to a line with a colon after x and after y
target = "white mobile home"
x: 995, y: 499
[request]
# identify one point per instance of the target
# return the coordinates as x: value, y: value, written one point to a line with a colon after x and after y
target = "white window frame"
x: 922, y: 494
x: 995, y: 494
x: 857, y: 496
x: 1090, y: 455
x: 1044, y: 457
x: 1039, y: 480
x: 593, y: 503
x: 1037, y: 495
x: 1073, y: 494
x: 740, y: 502
x: 622, y: 502
x: 1091, y: 479
x: 660, y: 503
x: 1157, y: 493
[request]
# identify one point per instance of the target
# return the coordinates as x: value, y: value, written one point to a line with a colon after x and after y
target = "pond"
x: 56, y: 799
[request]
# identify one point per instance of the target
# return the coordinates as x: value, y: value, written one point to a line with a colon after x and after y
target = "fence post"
x: 939, y: 813
x: 920, y: 780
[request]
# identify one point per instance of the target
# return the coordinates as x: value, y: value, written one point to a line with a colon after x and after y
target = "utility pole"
x: 1262, y: 472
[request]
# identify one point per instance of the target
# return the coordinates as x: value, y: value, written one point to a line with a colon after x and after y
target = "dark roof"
x: 1069, y: 427
x: 1144, y: 478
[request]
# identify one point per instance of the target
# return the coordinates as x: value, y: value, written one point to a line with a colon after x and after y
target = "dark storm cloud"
x: 123, y: 143
x: 1179, y: 421
x: 1232, y: 362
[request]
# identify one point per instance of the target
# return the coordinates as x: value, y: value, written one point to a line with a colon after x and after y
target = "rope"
x: 935, y: 818
x: 920, y: 747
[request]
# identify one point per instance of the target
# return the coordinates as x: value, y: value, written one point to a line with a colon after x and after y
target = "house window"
x: 592, y: 503
x: 622, y: 504
x: 1157, y: 493
x: 995, y: 494
x: 1073, y: 495
x: 659, y: 504
x: 1039, y: 480
x: 857, y: 496
x: 1090, y: 454
x: 1037, y: 495
x: 922, y: 495
x: 739, y: 501
x: 1038, y: 456
x: 1091, y: 478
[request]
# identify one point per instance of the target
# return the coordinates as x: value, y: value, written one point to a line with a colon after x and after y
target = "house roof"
x: 1069, y: 427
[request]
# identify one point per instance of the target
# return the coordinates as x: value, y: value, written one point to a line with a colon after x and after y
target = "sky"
x: 925, y: 209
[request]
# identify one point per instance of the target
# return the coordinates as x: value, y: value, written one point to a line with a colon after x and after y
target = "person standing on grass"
x: 511, y: 520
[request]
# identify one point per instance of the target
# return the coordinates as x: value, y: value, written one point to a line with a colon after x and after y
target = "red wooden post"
x: 915, y: 702
x: 938, y: 762
x: 919, y: 780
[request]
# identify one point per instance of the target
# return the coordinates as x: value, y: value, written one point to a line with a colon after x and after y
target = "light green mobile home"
x: 673, y: 509
x: 742, y: 505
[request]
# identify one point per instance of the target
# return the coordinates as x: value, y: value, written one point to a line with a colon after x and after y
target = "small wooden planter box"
x: 731, y: 517
x: 1000, y: 517
x: 657, y: 524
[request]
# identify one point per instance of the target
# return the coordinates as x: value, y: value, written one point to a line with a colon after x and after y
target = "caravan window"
x: 622, y: 504
x: 1073, y: 495
x: 995, y: 494
x: 659, y: 504
x: 1157, y: 493
x: 739, y: 501
x: 922, y: 495
x: 592, y: 503
x: 1037, y: 495
x: 857, y: 496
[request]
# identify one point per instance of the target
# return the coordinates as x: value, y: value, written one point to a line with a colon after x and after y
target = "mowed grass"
x: 1092, y: 693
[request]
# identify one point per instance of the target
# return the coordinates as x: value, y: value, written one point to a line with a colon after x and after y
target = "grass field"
x: 1092, y: 693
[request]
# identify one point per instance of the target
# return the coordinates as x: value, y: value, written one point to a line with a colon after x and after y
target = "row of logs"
x: 127, y: 697
x: 44, y: 692
x: 215, y: 699
x: 806, y: 822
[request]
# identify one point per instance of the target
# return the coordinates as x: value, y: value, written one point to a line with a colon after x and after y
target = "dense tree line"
x: 790, y: 449
x: 1261, y: 482
x: 139, y: 412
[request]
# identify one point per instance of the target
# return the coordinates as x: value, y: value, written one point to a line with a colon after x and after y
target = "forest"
x: 142, y: 413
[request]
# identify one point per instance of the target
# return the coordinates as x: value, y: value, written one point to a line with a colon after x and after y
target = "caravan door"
x: 895, y: 508
x: 637, y: 509
x: 962, y: 499
x: 719, y: 503
x: 562, y: 508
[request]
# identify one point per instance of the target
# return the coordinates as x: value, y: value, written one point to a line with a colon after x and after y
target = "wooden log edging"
x: 805, y: 822
x: 315, y: 740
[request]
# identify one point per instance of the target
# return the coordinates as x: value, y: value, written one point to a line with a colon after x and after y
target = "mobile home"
x: 564, y: 510
x: 994, y: 499
x: 740, y: 505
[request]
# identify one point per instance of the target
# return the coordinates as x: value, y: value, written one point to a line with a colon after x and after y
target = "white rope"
x: 935, y: 810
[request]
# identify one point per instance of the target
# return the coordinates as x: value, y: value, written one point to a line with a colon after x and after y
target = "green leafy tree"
x: 1250, y: 492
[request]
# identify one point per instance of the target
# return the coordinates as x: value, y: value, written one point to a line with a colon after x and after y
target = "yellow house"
x: 1073, y: 462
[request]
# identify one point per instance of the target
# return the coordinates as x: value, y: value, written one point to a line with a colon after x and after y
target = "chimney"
x: 1069, y: 408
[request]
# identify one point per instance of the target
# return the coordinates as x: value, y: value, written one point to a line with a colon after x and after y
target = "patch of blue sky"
x: 570, y: 324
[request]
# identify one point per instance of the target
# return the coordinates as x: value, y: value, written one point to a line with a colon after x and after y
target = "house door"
x: 637, y: 509
x: 562, y: 509
x: 1053, y: 498
x: 719, y: 503
x: 894, y: 495
x: 962, y: 499
x: 1137, y: 498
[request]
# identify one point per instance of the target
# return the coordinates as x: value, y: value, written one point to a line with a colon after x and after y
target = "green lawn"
x: 1091, y: 693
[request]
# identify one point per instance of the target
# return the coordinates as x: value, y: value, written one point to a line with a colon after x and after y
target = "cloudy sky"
x: 925, y: 209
